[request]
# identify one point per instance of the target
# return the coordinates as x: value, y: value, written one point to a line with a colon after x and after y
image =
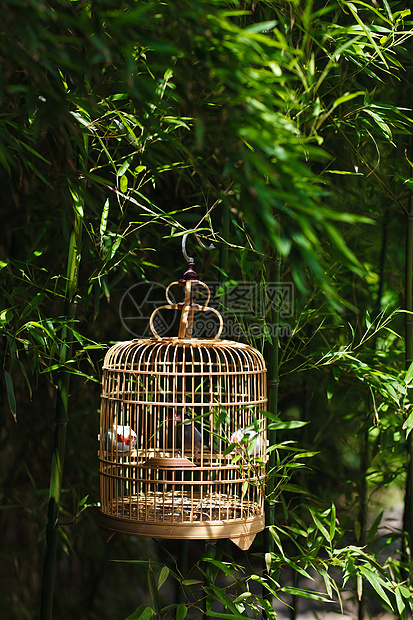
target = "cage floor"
x: 176, y: 508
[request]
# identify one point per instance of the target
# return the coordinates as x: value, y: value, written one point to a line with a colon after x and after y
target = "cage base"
x: 181, y: 517
x: 241, y: 533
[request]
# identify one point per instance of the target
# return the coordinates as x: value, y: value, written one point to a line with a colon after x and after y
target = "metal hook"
x: 184, y: 252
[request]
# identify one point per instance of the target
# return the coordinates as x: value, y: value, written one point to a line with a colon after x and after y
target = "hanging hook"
x: 184, y: 252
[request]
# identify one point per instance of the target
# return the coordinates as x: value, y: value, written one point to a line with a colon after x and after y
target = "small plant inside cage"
x: 182, y: 434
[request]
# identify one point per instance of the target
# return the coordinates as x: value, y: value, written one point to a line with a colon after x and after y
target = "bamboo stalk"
x: 365, y: 459
x: 273, y: 383
x: 183, y: 555
x: 61, y: 419
x: 408, y: 500
x: 210, y: 550
x: 214, y: 549
x: 363, y: 501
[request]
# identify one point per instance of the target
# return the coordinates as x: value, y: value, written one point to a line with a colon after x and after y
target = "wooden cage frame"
x: 183, y: 437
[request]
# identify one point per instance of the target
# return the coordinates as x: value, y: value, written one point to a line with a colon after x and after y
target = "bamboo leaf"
x: 409, y: 374
x: 181, y: 611
x: 367, y: 32
x: 24, y: 373
x: 163, y: 576
x: 10, y: 393
x: 345, y: 172
x: 401, y: 607
x: 359, y: 586
x: 374, y: 10
x: 373, y: 529
x: 333, y: 522
x: 153, y: 590
x: 223, y: 597
x: 34, y: 152
x: 223, y: 566
x: 402, y: 14
x: 380, y: 122
x: 327, y: 582
x: 123, y: 183
x: 115, y: 247
x: 315, y: 596
x: 299, y: 570
x: 216, y: 614
x: 405, y: 592
x: 408, y: 425
x: 104, y: 218
x: 261, y: 27
x: 143, y: 615
x: 320, y: 526
x: 277, y: 540
x: 243, y: 597
x: 6, y: 315
x: 124, y: 167
x: 346, y: 97
x: 376, y: 581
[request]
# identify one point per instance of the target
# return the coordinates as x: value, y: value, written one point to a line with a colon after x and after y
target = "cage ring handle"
x: 171, y: 302
x: 196, y: 307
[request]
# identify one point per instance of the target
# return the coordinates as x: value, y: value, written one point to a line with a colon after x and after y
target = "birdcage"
x: 182, y: 433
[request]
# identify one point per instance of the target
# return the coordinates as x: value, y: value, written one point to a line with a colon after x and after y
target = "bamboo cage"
x: 182, y: 434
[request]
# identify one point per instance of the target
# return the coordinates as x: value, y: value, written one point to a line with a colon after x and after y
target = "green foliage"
x: 121, y: 123
x: 147, y: 89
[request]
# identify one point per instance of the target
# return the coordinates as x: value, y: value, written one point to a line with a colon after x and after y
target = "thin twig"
x: 214, y: 205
